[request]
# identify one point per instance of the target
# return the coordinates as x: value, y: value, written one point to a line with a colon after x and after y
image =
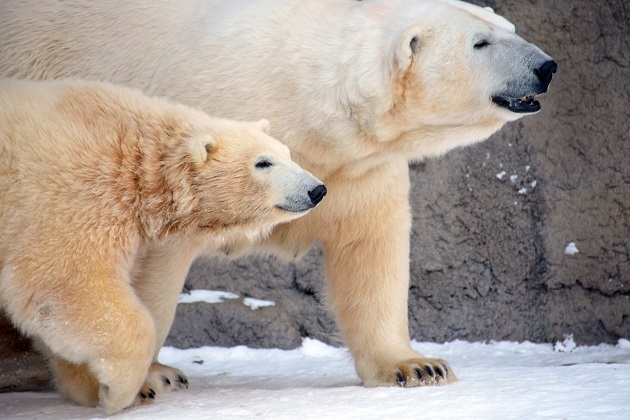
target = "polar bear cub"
x: 90, y: 176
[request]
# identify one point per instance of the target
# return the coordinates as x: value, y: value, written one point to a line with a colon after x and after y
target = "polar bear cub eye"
x: 263, y: 163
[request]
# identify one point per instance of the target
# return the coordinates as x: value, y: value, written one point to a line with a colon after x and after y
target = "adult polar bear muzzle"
x: 520, y: 95
x: 521, y: 69
x: 525, y: 69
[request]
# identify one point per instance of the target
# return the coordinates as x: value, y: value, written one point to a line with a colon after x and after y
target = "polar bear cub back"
x: 92, y: 174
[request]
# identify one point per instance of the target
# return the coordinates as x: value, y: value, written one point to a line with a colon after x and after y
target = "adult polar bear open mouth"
x: 523, y: 105
x: 527, y: 103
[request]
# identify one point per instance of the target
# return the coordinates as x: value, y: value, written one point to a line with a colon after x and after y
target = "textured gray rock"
x: 487, y: 261
x: 295, y: 288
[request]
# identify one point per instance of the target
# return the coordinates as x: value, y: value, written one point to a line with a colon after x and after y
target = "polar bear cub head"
x: 460, y: 70
x: 243, y: 175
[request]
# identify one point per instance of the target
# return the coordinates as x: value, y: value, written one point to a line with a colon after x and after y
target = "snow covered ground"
x: 498, y: 380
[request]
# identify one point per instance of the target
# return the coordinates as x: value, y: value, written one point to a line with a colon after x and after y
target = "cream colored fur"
x: 99, y: 185
x: 355, y: 89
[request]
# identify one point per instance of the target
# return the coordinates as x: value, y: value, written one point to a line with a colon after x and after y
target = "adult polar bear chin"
x: 356, y: 89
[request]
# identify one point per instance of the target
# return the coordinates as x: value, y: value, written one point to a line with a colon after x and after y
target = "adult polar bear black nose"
x: 317, y: 194
x: 545, y: 72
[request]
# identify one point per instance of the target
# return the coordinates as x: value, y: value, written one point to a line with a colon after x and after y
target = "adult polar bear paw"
x: 409, y: 369
x: 418, y: 372
x: 161, y: 380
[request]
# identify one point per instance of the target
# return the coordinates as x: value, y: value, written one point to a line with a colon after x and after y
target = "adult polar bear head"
x: 452, y: 74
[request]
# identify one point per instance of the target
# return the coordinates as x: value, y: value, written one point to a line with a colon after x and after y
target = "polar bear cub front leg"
x: 89, y: 315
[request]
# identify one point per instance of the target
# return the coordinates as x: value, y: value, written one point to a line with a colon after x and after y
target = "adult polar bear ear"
x: 409, y: 45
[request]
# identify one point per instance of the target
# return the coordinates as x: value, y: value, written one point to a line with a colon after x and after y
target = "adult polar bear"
x: 355, y: 89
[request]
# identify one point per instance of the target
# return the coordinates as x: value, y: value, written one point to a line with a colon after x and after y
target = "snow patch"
x: 571, y: 249
x: 501, y: 174
x: 208, y: 296
x: 257, y: 303
x: 315, y: 348
x: 567, y: 345
x: 497, y: 381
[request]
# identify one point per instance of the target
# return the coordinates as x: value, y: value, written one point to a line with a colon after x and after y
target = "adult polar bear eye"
x: 263, y: 163
x: 481, y: 44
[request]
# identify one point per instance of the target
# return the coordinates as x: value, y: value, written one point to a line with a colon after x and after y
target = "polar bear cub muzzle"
x: 300, y: 191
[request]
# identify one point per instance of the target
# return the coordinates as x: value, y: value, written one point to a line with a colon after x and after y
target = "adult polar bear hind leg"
x: 355, y: 89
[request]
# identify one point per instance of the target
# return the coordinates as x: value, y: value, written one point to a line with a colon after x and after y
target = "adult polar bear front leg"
x: 367, y: 261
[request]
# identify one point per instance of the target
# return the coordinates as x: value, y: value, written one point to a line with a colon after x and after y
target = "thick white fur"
x: 355, y: 89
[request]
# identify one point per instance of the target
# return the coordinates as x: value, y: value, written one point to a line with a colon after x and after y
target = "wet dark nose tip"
x: 317, y: 194
x: 546, y: 71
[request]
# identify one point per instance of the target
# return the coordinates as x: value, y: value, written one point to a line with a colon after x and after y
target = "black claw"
x: 151, y: 393
x: 439, y: 372
x: 429, y: 370
x: 445, y: 369
x: 400, y: 379
x: 181, y: 379
x: 142, y: 396
x: 418, y: 373
x: 166, y: 380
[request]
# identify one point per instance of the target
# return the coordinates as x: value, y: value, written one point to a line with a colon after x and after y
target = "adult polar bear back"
x: 355, y: 89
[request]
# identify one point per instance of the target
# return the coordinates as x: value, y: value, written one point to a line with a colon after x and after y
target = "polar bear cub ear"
x: 408, y: 46
x: 201, y: 146
x: 264, y: 125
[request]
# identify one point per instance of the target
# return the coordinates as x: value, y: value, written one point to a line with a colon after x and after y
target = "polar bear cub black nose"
x: 317, y: 194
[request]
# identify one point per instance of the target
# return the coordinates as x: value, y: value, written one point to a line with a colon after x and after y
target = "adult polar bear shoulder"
x: 355, y: 89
